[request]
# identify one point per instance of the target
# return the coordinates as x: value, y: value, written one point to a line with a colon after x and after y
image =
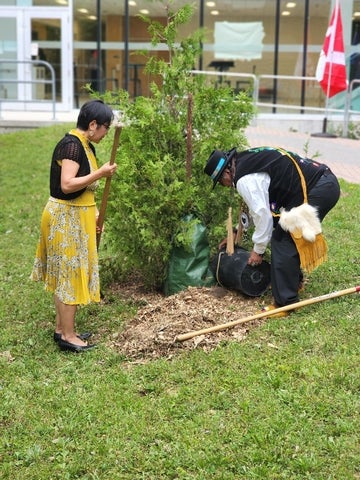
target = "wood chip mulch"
x: 153, y: 330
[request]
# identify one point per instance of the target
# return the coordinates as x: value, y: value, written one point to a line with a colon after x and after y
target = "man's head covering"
x: 216, y: 164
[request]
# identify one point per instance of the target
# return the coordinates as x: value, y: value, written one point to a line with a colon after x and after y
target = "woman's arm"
x: 71, y: 183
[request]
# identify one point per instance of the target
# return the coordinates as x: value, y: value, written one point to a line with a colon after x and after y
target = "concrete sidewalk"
x: 342, y: 155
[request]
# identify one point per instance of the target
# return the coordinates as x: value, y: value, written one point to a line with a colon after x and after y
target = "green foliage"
x: 282, y: 404
x: 161, y: 175
x: 184, y: 234
x: 353, y: 131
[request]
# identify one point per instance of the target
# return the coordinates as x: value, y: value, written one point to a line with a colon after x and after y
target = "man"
x: 281, y: 190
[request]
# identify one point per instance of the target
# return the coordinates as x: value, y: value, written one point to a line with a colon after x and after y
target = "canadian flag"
x: 331, y: 69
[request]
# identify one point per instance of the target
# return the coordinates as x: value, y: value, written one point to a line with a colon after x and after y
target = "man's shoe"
x: 72, y: 347
x: 82, y: 336
x: 268, y: 308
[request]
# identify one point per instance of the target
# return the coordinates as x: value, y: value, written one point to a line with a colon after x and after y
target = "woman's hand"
x: 98, y: 228
x: 108, y: 170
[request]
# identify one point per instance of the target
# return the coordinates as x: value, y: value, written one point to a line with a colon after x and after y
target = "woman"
x: 66, y: 256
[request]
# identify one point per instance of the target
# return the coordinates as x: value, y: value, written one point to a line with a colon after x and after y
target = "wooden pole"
x: 189, y: 137
x: 100, y: 222
x: 293, y: 306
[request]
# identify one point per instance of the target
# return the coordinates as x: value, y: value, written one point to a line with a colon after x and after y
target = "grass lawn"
x: 282, y: 404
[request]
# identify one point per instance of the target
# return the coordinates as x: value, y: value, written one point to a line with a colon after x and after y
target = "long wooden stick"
x: 293, y: 306
x: 100, y: 222
x: 189, y: 137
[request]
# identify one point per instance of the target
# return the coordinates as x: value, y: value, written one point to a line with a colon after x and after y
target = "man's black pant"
x: 285, y: 260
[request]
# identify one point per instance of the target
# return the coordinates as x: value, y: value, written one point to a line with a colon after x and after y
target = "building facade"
x: 98, y: 42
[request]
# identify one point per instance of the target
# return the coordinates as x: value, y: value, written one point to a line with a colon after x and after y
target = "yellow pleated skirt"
x: 66, y: 258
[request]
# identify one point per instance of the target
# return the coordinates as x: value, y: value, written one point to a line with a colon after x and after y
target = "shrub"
x: 165, y: 142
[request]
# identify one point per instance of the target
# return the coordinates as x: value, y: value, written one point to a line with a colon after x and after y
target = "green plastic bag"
x: 189, y: 265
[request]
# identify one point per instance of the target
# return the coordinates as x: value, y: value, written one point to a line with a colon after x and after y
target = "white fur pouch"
x: 301, y: 221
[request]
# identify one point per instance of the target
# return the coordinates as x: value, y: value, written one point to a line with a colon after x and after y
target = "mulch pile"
x: 152, y: 332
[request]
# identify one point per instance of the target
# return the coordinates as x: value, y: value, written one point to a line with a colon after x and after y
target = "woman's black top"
x: 69, y: 148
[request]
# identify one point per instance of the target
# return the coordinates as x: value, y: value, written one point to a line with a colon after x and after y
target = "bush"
x: 165, y: 142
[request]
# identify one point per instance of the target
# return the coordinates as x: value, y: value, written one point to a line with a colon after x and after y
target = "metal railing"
x: 251, y: 83
x: 260, y: 90
x: 348, y: 110
x: 38, y: 81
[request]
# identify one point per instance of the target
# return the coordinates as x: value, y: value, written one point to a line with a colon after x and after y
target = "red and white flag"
x: 331, y: 68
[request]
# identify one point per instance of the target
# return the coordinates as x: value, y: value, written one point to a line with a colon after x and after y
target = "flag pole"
x: 324, y: 132
x: 332, y: 42
x: 331, y: 49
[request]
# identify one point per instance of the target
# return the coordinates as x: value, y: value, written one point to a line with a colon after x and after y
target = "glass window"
x: 283, y: 49
x: 46, y: 37
x: 34, y: 3
x: 8, y: 49
x: 49, y: 3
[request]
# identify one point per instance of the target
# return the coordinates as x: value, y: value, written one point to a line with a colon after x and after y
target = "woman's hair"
x: 94, y: 110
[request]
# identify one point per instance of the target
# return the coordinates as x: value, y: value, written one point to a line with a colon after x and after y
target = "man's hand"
x: 222, y: 244
x: 254, y: 259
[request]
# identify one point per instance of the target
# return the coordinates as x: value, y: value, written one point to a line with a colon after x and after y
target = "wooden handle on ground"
x: 100, y: 222
x: 309, y: 301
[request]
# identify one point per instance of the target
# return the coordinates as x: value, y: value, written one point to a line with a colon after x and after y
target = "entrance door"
x: 7, y: 52
x: 37, y: 33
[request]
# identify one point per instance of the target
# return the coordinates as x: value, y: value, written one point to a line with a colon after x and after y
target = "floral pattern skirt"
x: 66, y: 257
